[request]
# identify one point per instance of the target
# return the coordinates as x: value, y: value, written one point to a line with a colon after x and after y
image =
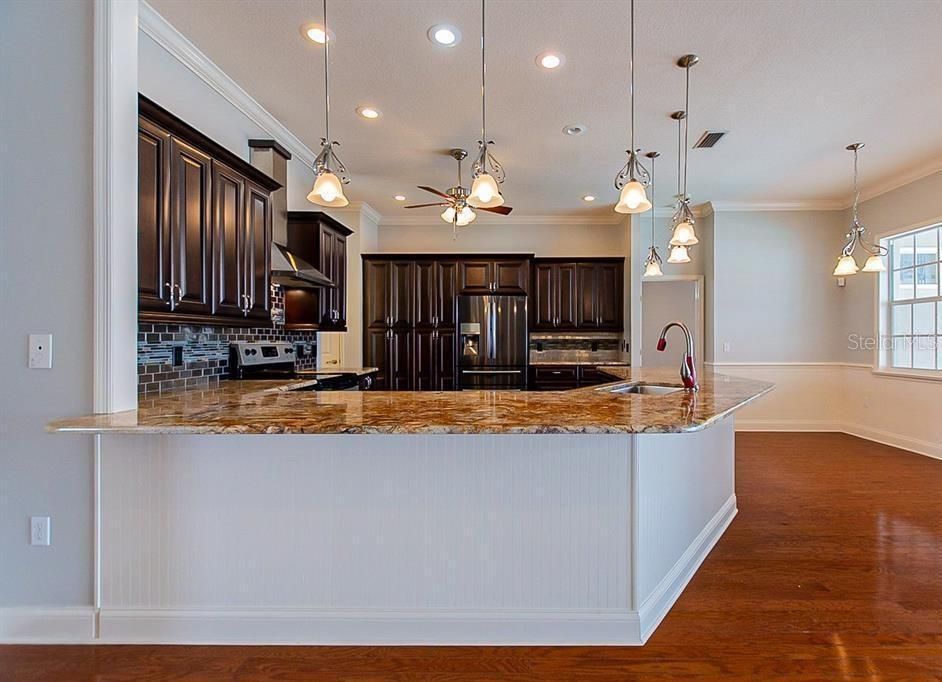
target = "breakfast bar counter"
x: 280, y: 407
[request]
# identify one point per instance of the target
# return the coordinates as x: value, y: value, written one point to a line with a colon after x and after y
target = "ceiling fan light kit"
x: 846, y: 263
x: 330, y: 175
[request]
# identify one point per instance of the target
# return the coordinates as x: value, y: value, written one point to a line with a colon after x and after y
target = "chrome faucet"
x: 688, y: 366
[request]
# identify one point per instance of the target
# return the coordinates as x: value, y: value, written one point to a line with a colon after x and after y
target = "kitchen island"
x: 566, y: 517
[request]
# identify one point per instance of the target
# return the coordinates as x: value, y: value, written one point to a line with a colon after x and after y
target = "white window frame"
x: 883, y: 360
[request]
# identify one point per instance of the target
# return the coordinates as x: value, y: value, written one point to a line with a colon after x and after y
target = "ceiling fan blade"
x: 434, y: 191
x: 503, y: 210
x: 425, y: 205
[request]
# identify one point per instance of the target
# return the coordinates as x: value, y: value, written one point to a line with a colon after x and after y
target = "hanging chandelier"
x: 652, y: 264
x: 485, y: 187
x: 678, y: 252
x: 330, y: 175
x: 633, y: 177
x: 846, y: 264
x: 683, y: 219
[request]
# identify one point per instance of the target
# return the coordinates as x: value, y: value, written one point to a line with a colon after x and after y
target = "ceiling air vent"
x: 709, y: 139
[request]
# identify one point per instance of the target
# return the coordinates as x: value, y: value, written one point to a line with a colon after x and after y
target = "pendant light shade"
x: 653, y: 269
x: 874, y: 264
x: 652, y: 264
x: 328, y: 191
x: 465, y: 216
x: 484, y: 192
x: 684, y: 235
x: 330, y: 175
x: 633, y: 199
x: 679, y: 255
x: 633, y: 177
x: 846, y: 265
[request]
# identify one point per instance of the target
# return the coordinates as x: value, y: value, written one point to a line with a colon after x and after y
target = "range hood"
x: 287, y: 269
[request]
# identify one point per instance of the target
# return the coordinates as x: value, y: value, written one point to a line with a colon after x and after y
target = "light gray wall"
x: 912, y: 205
x: 774, y: 298
x: 46, y: 286
x: 543, y: 240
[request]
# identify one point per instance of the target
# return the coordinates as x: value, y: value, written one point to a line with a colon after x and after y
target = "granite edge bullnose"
x: 272, y: 408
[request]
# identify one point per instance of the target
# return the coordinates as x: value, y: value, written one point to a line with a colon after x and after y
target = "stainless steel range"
x: 274, y: 360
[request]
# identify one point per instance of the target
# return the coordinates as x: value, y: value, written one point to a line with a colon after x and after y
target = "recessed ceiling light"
x: 399, y: 197
x: 315, y: 33
x: 550, y: 60
x: 444, y: 35
x: 588, y: 197
x: 368, y: 112
x: 574, y: 129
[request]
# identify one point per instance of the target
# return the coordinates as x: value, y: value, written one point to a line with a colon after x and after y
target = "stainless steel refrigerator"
x: 492, y: 342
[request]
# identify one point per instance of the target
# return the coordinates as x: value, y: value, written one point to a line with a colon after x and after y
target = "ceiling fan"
x: 457, y: 211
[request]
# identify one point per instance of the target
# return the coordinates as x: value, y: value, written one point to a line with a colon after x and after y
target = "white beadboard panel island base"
x: 408, y: 539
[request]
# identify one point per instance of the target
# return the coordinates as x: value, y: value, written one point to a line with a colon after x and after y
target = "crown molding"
x: 151, y: 23
x: 435, y: 219
x: 732, y: 206
x: 359, y: 208
x: 898, y: 181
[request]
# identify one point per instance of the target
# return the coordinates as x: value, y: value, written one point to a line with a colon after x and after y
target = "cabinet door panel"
x: 426, y: 293
x: 445, y: 360
x: 375, y: 354
x: 376, y: 293
x: 191, y: 177
x: 424, y: 359
x: 586, y: 287
x: 510, y: 277
x: 228, y: 235
x: 257, y: 261
x: 609, y: 287
x: 400, y: 360
x: 153, y: 217
x: 339, y: 295
x: 475, y: 276
x: 544, y: 296
x: 446, y: 276
x: 566, y: 295
x: 401, y: 289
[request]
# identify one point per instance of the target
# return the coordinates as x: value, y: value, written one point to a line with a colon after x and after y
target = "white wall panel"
x: 366, y: 522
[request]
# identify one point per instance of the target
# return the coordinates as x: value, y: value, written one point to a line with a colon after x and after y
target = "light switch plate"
x: 40, y: 531
x: 40, y: 351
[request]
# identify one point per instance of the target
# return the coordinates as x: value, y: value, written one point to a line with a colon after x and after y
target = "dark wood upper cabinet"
x: 388, y: 287
x: 493, y: 276
x: 322, y: 241
x: 572, y: 296
x: 435, y: 287
x: 204, y: 227
x: 153, y: 217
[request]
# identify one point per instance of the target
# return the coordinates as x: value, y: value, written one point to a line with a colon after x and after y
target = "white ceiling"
x: 794, y: 81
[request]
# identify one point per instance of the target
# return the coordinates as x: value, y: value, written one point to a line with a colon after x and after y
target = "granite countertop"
x: 273, y: 407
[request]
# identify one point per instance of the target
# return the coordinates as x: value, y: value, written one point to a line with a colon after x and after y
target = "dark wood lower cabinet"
x: 566, y: 377
x: 391, y: 351
x: 434, y: 358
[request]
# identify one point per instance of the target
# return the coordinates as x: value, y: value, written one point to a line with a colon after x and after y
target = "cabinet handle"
x: 170, y: 300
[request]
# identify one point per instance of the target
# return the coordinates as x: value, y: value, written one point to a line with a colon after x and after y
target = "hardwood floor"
x: 831, y: 571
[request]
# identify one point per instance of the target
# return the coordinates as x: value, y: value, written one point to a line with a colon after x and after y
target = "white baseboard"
x: 921, y: 447
x: 660, y: 601
x: 35, y: 624
x: 353, y: 627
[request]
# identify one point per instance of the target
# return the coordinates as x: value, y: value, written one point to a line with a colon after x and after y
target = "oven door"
x: 492, y: 378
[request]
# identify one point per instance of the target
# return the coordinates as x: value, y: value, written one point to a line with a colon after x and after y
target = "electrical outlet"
x: 40, y: 351
x: 178, y: 356
x: 39, y: 531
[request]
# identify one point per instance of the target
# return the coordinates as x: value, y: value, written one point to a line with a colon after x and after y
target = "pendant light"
x: 485, y: 190
x: 678, y: 252
x: 846, y: 264
x: 330, y: 175
x: 633, y: 177
x: 652, y: 264
x: 683, y: 220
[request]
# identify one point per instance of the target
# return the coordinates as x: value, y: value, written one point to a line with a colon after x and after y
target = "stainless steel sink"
x: 643, y: 389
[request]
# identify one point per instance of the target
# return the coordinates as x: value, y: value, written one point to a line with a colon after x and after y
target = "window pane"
x: 923, y: 318
x: 903, y: 252
x: 938, y: 350
x: 927, y: 281
x: 927, y: 246
x: 924, y: 352
x: 903, y: 285
x: 902, y: 351
x: 902, y: 319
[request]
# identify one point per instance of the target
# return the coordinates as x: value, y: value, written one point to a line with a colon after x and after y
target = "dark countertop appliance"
x: 274, y: 360
x: 492, y: 342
